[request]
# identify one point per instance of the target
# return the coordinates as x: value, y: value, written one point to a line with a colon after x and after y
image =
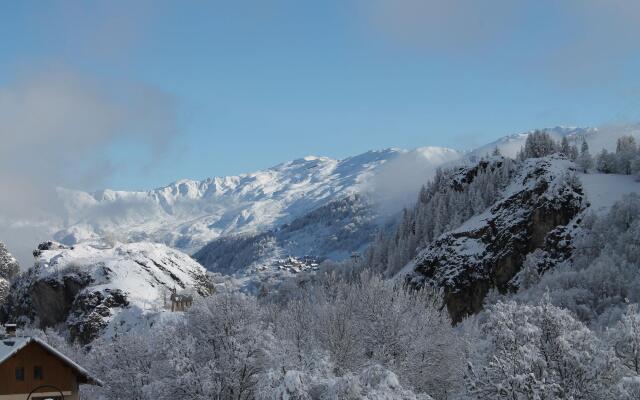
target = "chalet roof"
x: 9, y: 346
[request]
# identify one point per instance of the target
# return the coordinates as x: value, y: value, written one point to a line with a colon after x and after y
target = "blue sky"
x: 243, y: 85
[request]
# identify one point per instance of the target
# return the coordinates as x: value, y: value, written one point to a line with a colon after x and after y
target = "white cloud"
x: 55, y: 128
x: 396, y: 183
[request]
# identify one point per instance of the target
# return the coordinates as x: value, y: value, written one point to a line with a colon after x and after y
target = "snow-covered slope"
x: 93, y: 287
x: 334, y: 231
x: 603, y: 190
x: 188, y: 214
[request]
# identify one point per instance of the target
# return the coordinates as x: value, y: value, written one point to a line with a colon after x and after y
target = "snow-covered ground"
x: 603, y: 190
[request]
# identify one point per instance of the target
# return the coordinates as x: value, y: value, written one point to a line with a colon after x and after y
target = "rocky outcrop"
x: 86, y: 288
x: 53, y: 298
x: 487, y: 251
x: 91, y: 311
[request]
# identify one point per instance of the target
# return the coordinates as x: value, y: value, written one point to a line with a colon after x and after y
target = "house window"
x: 37, y: 373
x: 20, y: 373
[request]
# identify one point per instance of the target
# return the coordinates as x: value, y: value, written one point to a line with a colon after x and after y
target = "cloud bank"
x: 56, y: 129
x: 396, y: 183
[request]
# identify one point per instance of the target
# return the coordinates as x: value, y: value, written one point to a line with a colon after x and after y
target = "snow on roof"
x: 10, y: 346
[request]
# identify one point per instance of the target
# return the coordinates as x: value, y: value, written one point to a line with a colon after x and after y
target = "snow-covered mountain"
x: 334, y: 231
x: 189, y: 214
x: 95, y: 287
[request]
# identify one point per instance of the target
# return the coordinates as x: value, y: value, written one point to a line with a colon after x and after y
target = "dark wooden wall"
x: 55, y: 372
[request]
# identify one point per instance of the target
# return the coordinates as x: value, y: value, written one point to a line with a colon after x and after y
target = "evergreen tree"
x: 626, y: 152
x: 542, y: 352
x: 635, y: 165
x: 573, y: 152
x: 9, y: 267
x: 606, y: 162
x: 584, y: 160
x: 539, y: 144
x: 626, y: 338
x: 565, y: 147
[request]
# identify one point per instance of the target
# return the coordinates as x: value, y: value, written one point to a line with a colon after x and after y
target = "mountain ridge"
x: 187, y: 214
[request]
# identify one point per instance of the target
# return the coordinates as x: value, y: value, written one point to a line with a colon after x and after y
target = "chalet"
x: 32, y: 369
x: 179, y: 302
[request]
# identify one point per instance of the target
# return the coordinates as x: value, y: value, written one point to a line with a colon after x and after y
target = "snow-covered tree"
x: 529, y: 274
x: 584, y: 160
x: 629, y: 388
x: 569, y: 150
x: 635, y: 165
x: 539, y: 144
x: 626, y: 152
x: 606, y: 162
x: 4, y: 290
x: 8, y: 265
x: 542, y: 352
x: 626, y: 339
x: 9, y: 268
x: 368, y: 337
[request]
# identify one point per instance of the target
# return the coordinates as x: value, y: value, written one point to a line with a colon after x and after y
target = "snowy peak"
x: 187, y: 214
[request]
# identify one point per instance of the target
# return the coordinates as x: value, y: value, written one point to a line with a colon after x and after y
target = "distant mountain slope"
x: 94, y: 287
x: 189, y: 214
x: 333, y: 231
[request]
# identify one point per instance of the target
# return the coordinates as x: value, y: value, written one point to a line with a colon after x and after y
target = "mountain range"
x: 189, y: 214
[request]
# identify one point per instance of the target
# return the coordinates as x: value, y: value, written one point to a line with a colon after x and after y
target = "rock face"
x: 487, y: 251
x: 92, y: 288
